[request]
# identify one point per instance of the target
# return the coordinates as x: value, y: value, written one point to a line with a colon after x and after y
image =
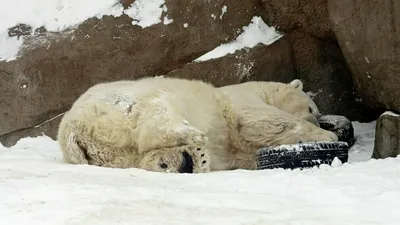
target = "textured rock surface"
x: 55, y: 69
x: 309, y: 16
x: 368, y: 33
x: 322, y: 68
x: 272, y: 62
x: 387, y: 136
x: 48, y: 128
x: 318, y: 59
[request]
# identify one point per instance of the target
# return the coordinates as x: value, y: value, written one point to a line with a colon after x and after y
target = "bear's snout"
x: 187, y: 163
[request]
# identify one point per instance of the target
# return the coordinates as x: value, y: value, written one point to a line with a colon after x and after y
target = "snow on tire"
x: 301, y: 155
x: 339, y: 125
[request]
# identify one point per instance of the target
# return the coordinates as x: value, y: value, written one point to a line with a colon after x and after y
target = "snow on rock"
x: 37, y: 187
x: 390, y: 113
x: 145, y: 12
x: 223, y: 11
x: 59, y: 15
x: 256, y: 32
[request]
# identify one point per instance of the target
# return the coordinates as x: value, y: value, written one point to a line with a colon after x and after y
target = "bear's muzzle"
x: 187, y: 163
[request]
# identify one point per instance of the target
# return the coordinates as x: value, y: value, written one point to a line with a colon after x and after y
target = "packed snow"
x: 59, y: 15
x: 390, y: 113
x: 223, y: 11
x: 146, y: 12
x: 38, y: 188
x: 256, y: 32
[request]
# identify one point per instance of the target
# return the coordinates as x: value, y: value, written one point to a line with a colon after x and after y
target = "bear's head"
x: 296, y: 102
x: 181, y: 159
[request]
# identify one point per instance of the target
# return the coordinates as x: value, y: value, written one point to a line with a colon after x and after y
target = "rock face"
x: 49, y: 128
x: 322, y: 68
x: 309, y: 16
x: 270, y: 63
x: 387, y: 136
x: 55, y: 68
x: 318, y: 59
x: 368, y: 33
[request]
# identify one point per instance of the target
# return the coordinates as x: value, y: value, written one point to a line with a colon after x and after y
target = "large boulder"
x: 263, y: 62
x: 368, y: 33
x: 387, y: 136
x: 321, y: 66
x: 53, y: 69
x: 309, y: 16
x: 318, y: 59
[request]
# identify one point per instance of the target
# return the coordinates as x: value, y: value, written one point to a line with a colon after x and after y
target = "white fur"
x: 297, y: 84
x: 150, y: 123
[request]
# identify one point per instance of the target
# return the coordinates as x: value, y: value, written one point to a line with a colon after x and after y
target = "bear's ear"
x: 297, y: 84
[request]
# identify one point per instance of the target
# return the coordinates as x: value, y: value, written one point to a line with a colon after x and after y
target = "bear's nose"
x: 187, y: 163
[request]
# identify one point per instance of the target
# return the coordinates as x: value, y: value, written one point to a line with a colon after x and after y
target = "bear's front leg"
x: 260, y: 126
x: 160, y: 125
x: 172, y: 146
x: 159, y: 133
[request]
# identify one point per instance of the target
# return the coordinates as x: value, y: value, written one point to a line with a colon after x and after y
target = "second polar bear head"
x: 295, y: 101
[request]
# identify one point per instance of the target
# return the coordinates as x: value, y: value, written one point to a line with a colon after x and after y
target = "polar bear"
x: 184, y: 126
x: 291, y: 100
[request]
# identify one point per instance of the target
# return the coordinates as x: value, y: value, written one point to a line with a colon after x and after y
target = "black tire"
x: 339, y: 125
x: 302, y: 155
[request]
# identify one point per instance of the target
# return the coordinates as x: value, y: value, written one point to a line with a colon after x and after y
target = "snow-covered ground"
x: 37, y: 188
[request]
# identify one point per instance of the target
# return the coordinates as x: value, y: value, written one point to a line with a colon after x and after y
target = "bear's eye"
x: 310, y: 109
x: 163, y: 166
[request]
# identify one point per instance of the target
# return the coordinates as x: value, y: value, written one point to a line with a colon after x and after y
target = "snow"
x: 256, y: 32
x: 390, y: 113
x: 223, y: 11
x: 167, y: 20
x: 9, y: 47
x: 38, y: 188
x: 364, y: 145
x: 146, y: 12
x: 59, y: 15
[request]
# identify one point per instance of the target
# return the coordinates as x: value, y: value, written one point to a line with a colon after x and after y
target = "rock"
x: 322, y: 68
x: 368, y: 34
x: 318, y: 59
x: 53, y: 69
x: 19, y: 30
x: 48, y: 128
x: 387, y: 136
x: 309, y: 16
x: 263, y: 62
x: 126, y: 3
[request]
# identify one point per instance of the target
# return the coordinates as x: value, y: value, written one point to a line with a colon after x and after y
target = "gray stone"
x: 387, y: 136
x: 262, y: 63
x: 368, y: 34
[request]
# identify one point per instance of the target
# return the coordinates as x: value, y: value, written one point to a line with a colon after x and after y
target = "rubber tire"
x: 339, y: 125
x: 302, y: 155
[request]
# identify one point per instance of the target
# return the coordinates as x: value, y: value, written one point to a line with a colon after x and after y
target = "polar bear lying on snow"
x: 177, y: 125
